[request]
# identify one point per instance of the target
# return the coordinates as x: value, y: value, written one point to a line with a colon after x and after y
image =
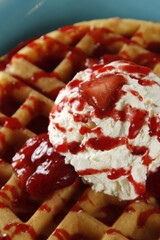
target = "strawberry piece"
x: 40, y: 169
x: 102, y: 92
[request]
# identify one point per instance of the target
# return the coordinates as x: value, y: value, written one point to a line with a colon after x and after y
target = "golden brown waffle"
x: 29, y: 82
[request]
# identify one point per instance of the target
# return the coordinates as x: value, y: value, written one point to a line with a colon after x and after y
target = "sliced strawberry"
x: 102, y: 92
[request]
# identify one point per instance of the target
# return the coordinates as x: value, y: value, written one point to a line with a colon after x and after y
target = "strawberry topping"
x: 40, y: 169
x: 102, y: 92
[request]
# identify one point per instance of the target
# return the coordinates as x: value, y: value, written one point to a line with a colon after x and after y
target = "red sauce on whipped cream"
x: 90, y: 91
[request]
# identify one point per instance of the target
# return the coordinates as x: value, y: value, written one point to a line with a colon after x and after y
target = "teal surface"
x: 23, y: 19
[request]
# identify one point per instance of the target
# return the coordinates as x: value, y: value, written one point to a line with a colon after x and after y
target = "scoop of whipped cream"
x: 106, y: 122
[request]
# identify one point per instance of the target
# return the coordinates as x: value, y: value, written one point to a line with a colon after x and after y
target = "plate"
x: 21, y: 19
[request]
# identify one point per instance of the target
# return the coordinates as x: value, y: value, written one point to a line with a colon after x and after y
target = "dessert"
x: 104, y: 123
x: 30, y: 79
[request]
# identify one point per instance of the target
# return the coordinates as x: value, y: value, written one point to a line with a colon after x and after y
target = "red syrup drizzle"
x: 74, y: 147
x: 103, y: 39
x: 23, y: 206
x: 113, y: 173
x: 13, y: 124
x: 74, y: 32
x: 8, y: 57
x: 113, y: 231
x: 60, y: 234
x: 62, y: 129
x: 105, y: 143
x: 39, y: 167
x: 55, y: 51
x: 32, y: 82
x: 146, y: 82
x: 20, y: 228
x: 143, y: 217
x: 137, y: 122
x: 132, y: 68
x: 77, y: 58
x: 95, y: 63
x: 49, y: 58
x: 135, y: 93
x: 34, y: 79
x: 147, y: 59
x: 154, y: 127
x: 44, y: 207
x: 48, y: 61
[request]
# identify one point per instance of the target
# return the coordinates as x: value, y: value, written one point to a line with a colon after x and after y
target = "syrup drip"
x: 74, y: 32
x: 20, y: 228
x: 103, y: 39
x: 138, y: 187
x: 112, y: 173
x: 74, y: 147
x: 137, y: 123
x: 49, y: 57
x: 147, y: 59
x: 144, y: 216
x: 62, y: 233
x: 135, y: 93
x: 8, y: 57
x: 113, y: 231
x: 11, y: 189
x: 77, y: 58
x: 133, y: 68
x: 13, y: 124
x: 95, y: 63
x: 34, y: 79
x: 76, y: 208
x: 154, y: 127
x: 37, y: 76
x: 44, y: 207
x: 105, y: 143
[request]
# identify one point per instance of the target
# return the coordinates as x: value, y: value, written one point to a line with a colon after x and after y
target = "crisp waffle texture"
x: 30, y: 82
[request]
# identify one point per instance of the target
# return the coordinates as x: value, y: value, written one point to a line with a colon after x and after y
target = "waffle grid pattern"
x: 32, y: 78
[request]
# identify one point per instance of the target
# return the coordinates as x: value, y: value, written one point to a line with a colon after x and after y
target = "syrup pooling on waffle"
x: 25, y: 68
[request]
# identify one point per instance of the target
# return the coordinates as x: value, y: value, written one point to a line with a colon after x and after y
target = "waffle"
x: 30, y: 78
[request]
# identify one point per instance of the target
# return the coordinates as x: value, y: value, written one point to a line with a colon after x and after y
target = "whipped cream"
x: 114, y: 152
